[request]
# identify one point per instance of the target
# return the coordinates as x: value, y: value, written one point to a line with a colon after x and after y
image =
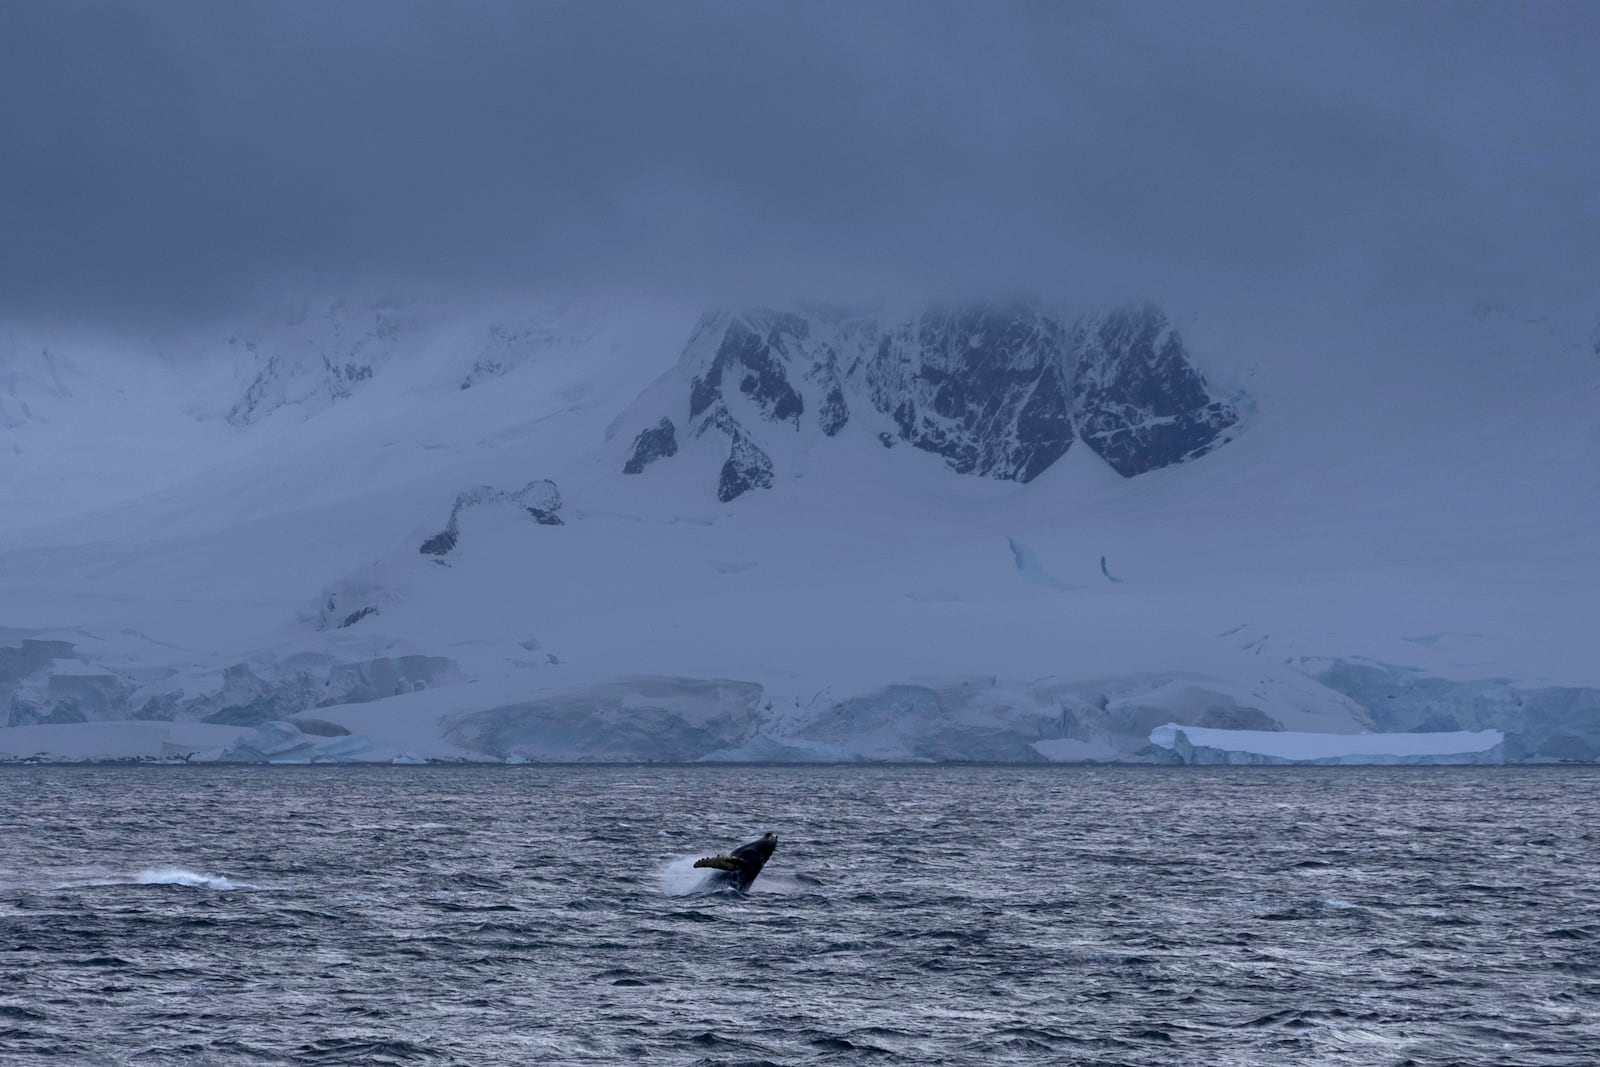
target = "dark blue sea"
x: 911, y: 915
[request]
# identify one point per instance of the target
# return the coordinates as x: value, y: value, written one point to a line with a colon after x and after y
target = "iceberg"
x: 1199, y: 744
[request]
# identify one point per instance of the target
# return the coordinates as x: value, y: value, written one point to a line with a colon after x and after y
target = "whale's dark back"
x: 752, y: 857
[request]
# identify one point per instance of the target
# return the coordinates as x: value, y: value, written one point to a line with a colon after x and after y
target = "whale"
x: 737, y: 869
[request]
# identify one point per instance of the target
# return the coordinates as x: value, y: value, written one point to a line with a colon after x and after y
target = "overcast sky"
x: 178, y: 159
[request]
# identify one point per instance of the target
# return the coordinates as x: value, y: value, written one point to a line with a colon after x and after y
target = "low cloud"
x: 175, y: 160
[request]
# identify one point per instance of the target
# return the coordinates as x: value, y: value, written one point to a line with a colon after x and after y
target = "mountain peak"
x: 998, y: 388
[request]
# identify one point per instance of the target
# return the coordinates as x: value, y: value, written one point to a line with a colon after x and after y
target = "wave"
x: 786, y: 883
x: 163, y: 876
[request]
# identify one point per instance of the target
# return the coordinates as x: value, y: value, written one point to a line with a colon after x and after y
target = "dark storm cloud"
x: 175, y: 158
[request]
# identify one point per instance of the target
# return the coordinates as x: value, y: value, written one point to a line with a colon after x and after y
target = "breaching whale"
x: 739, y: 868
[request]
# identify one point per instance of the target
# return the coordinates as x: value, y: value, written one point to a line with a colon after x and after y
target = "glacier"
x: 423, y: 530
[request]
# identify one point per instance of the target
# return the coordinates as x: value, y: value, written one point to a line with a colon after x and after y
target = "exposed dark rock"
x: 1140, y: 403
x: 481, y: 370
x: 833, y: 410
x: 747, y: 467
x: 356, y: 616
x: 979, y: 385
x: 658, y: 442
x: 763, y: 378
x: 541, y: 499
x: 703, y: 392
x: 748, y: 348
x: 999, y: 389
x: 350, y: 373
x: 833, y: 414
x: 266, y: 392
x: 440, y: 544
x: 256, y: 398
x: 540, y: 496
x: 1044, y: 429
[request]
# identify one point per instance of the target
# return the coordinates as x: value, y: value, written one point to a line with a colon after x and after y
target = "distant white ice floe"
x: 1199, y: 744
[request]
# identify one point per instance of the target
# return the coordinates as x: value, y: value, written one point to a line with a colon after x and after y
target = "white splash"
x: 179, y: 876
x: 162, y: 876
x: 679, y: 877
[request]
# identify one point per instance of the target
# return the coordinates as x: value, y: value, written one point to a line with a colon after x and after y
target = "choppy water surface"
x: 529, y: 915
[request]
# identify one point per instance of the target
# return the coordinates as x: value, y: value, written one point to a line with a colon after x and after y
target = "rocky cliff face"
x: 996, y: 389
x: 1136, y: 396
x: 751, y: 373
x: 979, y: 385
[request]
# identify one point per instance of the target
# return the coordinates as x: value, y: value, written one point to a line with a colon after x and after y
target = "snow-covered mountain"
x: 1001, y: 390
x: 983, y: 530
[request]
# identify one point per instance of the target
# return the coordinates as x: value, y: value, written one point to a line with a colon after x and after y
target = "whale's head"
x: 759, y: 851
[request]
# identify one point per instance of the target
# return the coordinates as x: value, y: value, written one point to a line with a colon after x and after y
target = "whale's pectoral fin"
x: 721, y: 863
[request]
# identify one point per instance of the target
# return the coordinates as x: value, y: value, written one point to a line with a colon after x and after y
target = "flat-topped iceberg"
x: 1199, y: 744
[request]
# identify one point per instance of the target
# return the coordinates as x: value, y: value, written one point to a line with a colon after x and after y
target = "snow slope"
x: 232, y: 531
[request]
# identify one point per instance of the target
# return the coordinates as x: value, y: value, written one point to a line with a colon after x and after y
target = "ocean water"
x: 911, y: 915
